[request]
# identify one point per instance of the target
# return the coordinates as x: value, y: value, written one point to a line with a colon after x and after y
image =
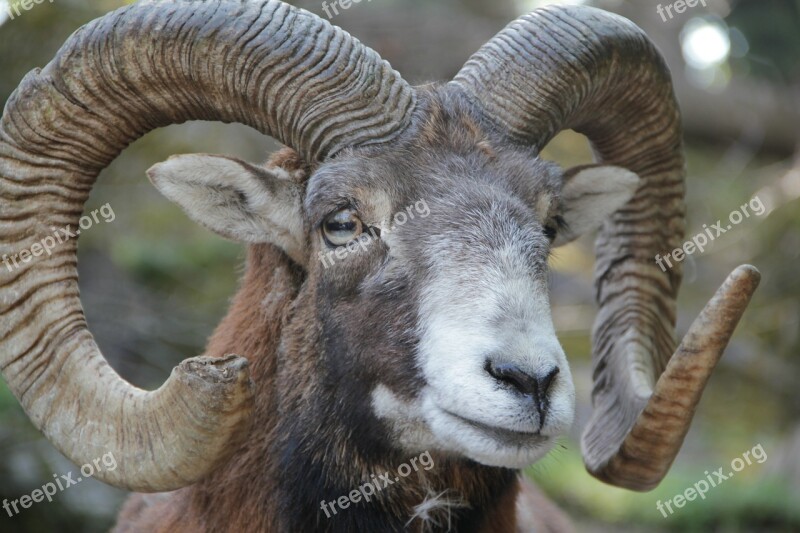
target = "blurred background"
x: 154, y: 285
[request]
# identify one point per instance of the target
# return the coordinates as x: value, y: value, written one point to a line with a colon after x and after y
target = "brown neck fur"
x: 252, y: 328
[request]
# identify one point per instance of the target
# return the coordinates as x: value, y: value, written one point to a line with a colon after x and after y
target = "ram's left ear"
x: 589, y: 196
x: 237, y: 200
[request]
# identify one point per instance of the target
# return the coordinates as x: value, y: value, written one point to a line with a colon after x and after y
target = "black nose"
x: 535, y: 386
x: 532, y: 385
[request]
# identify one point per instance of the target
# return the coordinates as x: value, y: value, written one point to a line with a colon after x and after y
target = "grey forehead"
x: 407, y: 176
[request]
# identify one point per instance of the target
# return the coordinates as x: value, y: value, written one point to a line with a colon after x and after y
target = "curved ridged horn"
x: 276, y: 68
x: 597, y: 73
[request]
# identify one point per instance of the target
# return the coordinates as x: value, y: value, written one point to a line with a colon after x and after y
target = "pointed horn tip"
x: 746, y: 275
x: 726, y: 307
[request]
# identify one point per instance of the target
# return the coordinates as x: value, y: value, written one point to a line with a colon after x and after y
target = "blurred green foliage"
x: 772, y: 36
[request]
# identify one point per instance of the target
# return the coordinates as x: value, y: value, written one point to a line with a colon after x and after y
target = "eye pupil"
x: 334, y: 226
x: 341, y: 227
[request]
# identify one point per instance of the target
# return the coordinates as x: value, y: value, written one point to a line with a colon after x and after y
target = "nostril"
x: 536, y: 387
x: 514, y: 376
x: 547, y: 380
x: 525, y: 383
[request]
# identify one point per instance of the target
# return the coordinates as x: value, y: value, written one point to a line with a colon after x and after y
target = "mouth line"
x: 505, y: 436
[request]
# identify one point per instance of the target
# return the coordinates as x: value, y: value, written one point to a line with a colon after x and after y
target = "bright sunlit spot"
x: 705, y: 43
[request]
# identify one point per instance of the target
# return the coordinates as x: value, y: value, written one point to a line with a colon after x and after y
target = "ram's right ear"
x: 591, y: 194
x: 235, y: 199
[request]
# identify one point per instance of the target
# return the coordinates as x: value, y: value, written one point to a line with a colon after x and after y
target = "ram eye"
x: 341, y: 227
x: 553, y: 226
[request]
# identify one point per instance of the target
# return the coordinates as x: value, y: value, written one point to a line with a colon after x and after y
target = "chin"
x: 487, y: 444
